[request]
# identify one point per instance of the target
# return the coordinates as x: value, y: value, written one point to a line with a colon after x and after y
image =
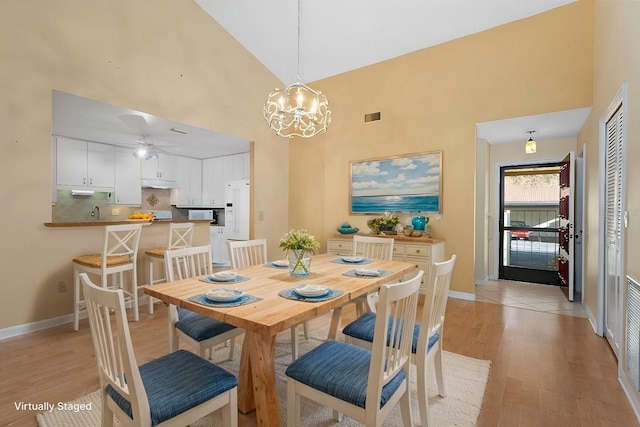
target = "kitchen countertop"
x: 118, y: 222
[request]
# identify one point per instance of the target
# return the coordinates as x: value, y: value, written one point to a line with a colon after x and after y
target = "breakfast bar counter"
x: 105, y: 223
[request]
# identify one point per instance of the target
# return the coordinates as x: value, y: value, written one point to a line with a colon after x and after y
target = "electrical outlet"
x: 62, y: 286
x: 260, y: 215
x: 115, y: 212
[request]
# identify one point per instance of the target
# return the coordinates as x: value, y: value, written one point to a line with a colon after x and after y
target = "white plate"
x: 281, y: 263
x: 352, y: 258
x: 224, y: 276
x: 311, y: 290
x: 224, y: 295
x: 367, y: 272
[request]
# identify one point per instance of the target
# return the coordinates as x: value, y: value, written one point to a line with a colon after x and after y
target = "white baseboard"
x: 482, y: 282
x: 591, y: 318
x: 14, y: 331
x: 631, y: 392
x: 462, y: 295
x: 35, y: 326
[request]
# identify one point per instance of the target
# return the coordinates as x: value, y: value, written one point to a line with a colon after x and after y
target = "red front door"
x: 566, y: 224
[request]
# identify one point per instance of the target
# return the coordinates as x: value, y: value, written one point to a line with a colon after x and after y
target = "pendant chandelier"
x: 297, y: 110
x: 530, y: 145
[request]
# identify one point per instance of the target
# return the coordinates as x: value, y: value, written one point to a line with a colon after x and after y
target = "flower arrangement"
x: 387, y: 222
x: 299, y: 240
x: 300, y: 245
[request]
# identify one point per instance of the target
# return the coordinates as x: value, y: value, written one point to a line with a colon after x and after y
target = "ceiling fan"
x: 145, y: 149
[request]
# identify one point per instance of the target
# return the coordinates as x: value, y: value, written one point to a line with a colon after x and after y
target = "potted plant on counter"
x: 385, y: 224
x: 299, y: 245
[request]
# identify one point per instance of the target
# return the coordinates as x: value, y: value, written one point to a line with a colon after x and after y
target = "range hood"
x: 158, y: 183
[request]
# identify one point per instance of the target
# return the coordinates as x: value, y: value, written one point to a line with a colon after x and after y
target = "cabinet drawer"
x: 399, y: 250
x: 340, y: 247
x: 419, y: 251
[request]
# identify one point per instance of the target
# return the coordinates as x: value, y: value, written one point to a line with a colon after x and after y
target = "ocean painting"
x: 411, y: 183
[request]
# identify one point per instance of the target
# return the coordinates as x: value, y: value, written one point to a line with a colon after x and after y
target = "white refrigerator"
x: 236, y: 212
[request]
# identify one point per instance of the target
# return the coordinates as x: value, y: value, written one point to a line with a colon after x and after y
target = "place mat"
x: 244, y: 299
x: 236, y: 279
x: 352, y: 273
x: 291, y: 294
x: 272, y: 265
x: 339, y: 260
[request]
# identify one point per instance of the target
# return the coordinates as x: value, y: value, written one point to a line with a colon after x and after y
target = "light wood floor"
x: 547, y: 369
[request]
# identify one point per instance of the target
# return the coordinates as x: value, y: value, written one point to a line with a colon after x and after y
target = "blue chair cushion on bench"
x: 176, y: 383
x: 363, y: 327
x: 200, y: 327
x: 340, y: 370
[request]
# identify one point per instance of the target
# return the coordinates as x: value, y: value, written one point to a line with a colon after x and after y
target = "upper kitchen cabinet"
x: 189, y: 180
x: 213, y: 182
x: 162, y: 167
x: 84, y: 164
x: 236, y: 166
x: 127, y: 178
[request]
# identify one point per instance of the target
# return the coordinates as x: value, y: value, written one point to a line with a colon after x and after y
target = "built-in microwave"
x: 201, y: 214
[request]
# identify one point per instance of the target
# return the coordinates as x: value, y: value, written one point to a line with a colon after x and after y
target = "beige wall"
x: 616, y: 61
x: 431, y: 100
x: 549, y: 150
x: 164, y: 57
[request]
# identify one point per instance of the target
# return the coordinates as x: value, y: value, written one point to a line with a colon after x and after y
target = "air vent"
x: 372, y: 117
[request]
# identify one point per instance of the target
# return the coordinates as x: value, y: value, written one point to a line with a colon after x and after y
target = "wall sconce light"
x: 530, y: 145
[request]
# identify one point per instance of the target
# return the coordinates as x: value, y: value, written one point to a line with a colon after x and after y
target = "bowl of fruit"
x: 140, y: 217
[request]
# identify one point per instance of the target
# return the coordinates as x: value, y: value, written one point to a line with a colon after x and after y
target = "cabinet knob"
x: 417, y: 251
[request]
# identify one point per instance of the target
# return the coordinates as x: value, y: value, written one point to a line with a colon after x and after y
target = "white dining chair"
x: 364, y: 385
x: 200, y: 332
x: 174, y: 390
x: 427, y: 335
x: 180, y: 236
x: 245, y: 253
x: 368, y: 247
x: 119, y: 254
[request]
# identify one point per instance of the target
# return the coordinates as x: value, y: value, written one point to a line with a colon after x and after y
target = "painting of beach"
x: 408, y: 183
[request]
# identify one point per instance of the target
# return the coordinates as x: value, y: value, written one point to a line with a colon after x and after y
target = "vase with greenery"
x: 299, y: 245
x: 386, y: 223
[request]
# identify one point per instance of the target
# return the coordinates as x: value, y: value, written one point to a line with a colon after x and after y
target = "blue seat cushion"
x: 176, y: 383
x: 362, y: 328
x: 340, y: 370
x: 200, y: 327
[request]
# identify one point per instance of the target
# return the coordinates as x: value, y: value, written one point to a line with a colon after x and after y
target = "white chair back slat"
x: 393, y: 336
x: 115, y: 357
x: 437, y: 293
x: 188, y: 262
x: 373, y: 247
x: 247, y: 253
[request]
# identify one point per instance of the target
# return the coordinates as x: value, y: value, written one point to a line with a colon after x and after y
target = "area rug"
x: 465, y: 382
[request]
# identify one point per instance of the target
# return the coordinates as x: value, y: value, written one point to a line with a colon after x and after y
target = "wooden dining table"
x: 264, y: 319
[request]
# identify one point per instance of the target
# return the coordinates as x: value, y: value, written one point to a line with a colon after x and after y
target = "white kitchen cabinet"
x: 189, y: 180
x: 246, y: 165
x: 416, y: 250
x: 219, y: 250
x: 84, y: 164
x: 127, y: 178
x: 162, y: 167
x: 213, y: 182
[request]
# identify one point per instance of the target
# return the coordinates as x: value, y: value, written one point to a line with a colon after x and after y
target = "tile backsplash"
x: 78, y: 208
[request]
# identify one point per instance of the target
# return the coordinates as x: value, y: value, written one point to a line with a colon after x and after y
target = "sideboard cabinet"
x: 421, y: 251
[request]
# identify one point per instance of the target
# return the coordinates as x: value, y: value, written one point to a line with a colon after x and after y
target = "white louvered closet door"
x: 613, y: 224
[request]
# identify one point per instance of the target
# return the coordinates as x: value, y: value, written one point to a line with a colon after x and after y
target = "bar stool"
x: 118, y: 255
x: 180, y: 237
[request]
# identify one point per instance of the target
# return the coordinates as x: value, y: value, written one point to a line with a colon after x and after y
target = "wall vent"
x: 372, y: 117
x: 633, y: 332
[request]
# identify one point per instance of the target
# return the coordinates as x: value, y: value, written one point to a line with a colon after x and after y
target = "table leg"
x: 258, y: 379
